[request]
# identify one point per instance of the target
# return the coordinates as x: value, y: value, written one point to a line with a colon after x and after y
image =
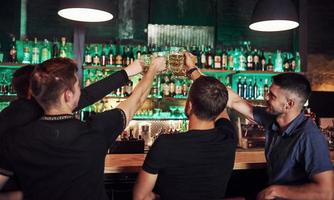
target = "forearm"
x: 139, y: 94
x: 309, y: 191
x: 101, y: 88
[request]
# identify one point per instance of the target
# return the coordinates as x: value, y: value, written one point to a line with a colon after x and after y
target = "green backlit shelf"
x: 11, y: 65
x: 112, y: 68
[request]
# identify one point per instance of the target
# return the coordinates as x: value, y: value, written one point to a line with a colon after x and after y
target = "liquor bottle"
x: 178, y: 88
x: 255, y: 89
x: 298, y: 63
x: 239, y: 87
x: 138, y: 53
x: 218, y: 59
x: 209, y: 59
x: 165, y: 87
x: 244, y: 86
x: 125, y: 57
x: 103, y: 58
x: 118, y: 57
x: 55, y: 49
x: 250, y: 90
x: 256, y: 60
x: 63, y: 48
x: 263, y: 62
x: 203, y: 58
x: 224, y: 59
x: 286, y: 65
x: 242, y: 60
x: 278, y: 62
x: 128, y: 88
x: 265, y: 88
x: 230, y: 59
x: 185, y: 88
x: 96, y: 58
x: 26, y: 52
x: 131, y: 56
x: 12, y: 52
x: 45, y: 51
x: 171, y: 88
x: 195, y: 53
x: 236, y: 59
x: 88, y: 56
x: 250, y: 62
x: 111, y: 58
x: 269, y: 66
x: 35, y: 53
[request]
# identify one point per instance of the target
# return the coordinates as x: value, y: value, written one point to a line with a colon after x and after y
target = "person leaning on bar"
x: 58, y: 156
x: 25, y: 109
x: 297, y: 154
x: 196, y: 164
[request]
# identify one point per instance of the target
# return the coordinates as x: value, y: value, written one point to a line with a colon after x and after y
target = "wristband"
x: 190, y: 71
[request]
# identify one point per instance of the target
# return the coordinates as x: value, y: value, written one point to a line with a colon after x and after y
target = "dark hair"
x: 208, y: 97
x: 21, y: 80
x: 51, y: 78
x: 295, y: 83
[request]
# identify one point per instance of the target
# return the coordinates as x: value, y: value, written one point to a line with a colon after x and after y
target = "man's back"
x: 193, y: 165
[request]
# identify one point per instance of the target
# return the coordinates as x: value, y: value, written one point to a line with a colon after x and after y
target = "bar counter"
x: 131, y: 163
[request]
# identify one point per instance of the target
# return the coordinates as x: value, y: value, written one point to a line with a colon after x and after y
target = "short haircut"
x: 21, y: 80
x: 208, y: 97
x: 51, y: 78
x: 295, y: 83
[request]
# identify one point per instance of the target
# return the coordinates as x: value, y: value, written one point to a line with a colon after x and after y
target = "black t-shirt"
x: 22, y: 111
x: 61, y: 158
x: 193, y: 165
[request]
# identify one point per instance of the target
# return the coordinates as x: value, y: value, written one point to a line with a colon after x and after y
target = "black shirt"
x: 22, y: 111
x: 193, y: 165
x: 61, y: 157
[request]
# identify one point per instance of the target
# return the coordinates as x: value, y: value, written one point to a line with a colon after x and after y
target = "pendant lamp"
x: 85, y: 10
x: 274, y: 15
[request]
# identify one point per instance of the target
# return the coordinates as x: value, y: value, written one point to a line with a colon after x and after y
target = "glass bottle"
x: 218, y: 59
x: 35, y: 52
x: 111, y: 56
x: 55, y: 49
x: 12, y: 52
x: 278, y: 62
x: 88, y: 56
x: 103, y: 58
x: 63, y: 48
x: 269, y: 66
x: 26, y: 52
x: 96, y: 58
x: 45, y: 51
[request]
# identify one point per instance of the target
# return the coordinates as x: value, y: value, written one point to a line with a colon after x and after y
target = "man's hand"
x: 158, y: 64
x: 189, y: 60
x: 268, y: 193
x: 134, y: 68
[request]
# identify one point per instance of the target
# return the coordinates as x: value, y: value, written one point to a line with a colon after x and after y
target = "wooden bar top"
x: 131, y: 163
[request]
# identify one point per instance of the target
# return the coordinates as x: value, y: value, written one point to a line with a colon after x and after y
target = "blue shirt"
x: 295, y: 155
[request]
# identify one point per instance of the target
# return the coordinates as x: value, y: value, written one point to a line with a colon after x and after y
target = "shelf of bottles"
x: 246, y: 70
x: 27, y: 52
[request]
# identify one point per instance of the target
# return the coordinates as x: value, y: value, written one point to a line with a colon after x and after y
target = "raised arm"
x: 234, y: 100
x: 140, y: 92
x: 101, y: 88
